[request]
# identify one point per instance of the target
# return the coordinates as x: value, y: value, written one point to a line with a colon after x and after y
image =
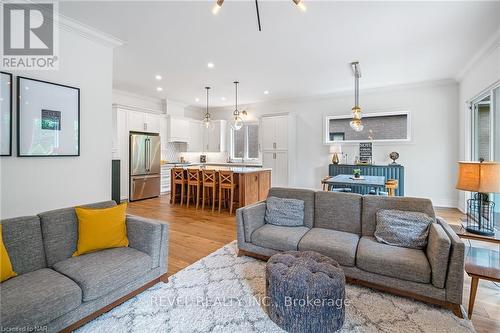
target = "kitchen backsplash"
x: 173, y: 151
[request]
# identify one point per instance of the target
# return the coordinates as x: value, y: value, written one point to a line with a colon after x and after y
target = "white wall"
x: 481, y: 75
x: 429, y: 160
x: 33, y: 185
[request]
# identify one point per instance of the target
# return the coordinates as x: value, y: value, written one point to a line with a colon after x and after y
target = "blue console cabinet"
x: 388, y: 171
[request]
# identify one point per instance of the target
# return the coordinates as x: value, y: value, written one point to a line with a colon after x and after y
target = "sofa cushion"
x: 278, y: 238
x: 338, y: 211
x: 338, y: 245
x: 99, y: 273
x: 302, y: 194
x: 398, y: 262
x: 285, y: 212
x: 403, y: 228
x: 60, y: 231
x: 438, y: 253
x: 373, y: 203
x: 22, y: 237
x: 36, y: 298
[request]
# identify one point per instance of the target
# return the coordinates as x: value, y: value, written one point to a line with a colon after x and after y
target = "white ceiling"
x: 296, y: 54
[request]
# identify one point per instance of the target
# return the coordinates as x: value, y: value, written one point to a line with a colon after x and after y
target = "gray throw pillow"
x: 284, y: 212
x: 403, y: 228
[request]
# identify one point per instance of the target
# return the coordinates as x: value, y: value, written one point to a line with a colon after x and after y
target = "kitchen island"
x: 253, y: 182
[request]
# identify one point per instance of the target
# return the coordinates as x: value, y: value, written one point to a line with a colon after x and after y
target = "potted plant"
x: 357, y: 173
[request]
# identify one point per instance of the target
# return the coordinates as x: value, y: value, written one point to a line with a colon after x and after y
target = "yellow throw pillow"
x: 6, y: 267
x: 100, y: 229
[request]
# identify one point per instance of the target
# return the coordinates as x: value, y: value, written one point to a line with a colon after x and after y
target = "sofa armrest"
x: 455, y: 277
x: 149, y: 236
x: 438, y: 253
x: 249, y: 219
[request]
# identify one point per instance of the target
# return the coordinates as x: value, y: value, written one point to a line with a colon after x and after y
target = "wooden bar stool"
x: 391, y: 185
x: 178, y: 179
x: 193, y: 186
x: 227, y: 187
x: 209, y: 181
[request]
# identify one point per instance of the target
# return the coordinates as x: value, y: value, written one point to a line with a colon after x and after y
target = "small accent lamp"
x: 482, y: 178
x: 335, y: 150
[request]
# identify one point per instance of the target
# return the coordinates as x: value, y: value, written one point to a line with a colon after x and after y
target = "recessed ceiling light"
x: 158, y: 77
x: 210, y: 65
x: 266, y: 92
x: 223, y: 98
x: 159, y: 89
x: 197, y: 99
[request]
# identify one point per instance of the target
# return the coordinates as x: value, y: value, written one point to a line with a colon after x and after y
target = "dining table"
x: 371, y: 182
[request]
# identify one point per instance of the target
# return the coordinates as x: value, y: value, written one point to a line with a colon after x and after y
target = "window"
x: 389, y: 126
x: 245, y: 142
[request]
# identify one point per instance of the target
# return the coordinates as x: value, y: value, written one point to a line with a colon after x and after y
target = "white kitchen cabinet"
x: 275, y: 141
x: 274, y: 133
x: 195, y: 136
x: 178, y: 129
x: 144, y: 122
x: 153, y: 122
x: 278, y: 161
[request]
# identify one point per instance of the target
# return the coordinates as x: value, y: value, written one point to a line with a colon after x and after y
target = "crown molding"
x: 69, y: 24
x: 489, y: 47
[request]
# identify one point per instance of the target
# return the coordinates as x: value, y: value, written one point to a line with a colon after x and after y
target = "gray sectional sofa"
x: 342, y: 226
x: 55, y: 291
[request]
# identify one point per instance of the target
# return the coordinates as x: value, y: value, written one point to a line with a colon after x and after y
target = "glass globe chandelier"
x: 207, y: 121
x: 236, y: 121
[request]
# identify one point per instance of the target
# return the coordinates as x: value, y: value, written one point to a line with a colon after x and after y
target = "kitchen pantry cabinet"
x: 274, y: 133
x: 178, y: 129
x: 275, y: 143
x: 195, y: 136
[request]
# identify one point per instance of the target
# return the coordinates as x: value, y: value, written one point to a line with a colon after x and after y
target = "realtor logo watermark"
x: 30, y: 35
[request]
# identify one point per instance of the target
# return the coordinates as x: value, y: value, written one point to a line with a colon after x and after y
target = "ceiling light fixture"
x: 356, y: 123
x: 158, y: 77
x: 300, y: 5
x: 197, y: 99
x: 217, y: 6
x: 266, y: 92
x: 223, y: 98
x: 207, y: 122
x: 210, y: 65
x: 159, y: 89
x: 237, y: 121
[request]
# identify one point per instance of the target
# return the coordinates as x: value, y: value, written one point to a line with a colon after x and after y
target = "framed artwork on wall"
x: 5, y: 114
x: 48, y: 119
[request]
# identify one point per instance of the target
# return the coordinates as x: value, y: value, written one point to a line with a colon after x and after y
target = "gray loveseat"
x: 341, y: 226
x: 55, y: 291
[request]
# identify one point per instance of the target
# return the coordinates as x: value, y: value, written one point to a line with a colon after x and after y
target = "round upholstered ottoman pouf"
x: 305, y: 291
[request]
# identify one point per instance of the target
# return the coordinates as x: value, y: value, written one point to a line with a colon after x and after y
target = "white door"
x: 268, y: 133
x: 152, y: 123
x: 279, y: 177
x: 268, y: 160
x: 281, y: 132
x: 136, y: 121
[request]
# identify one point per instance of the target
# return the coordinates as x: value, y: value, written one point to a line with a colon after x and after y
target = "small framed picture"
x: 5, y: 114
x: 48, y: 119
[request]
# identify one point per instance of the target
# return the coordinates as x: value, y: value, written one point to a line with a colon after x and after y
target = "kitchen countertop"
x: 234, y: 169
x: 235, y: 164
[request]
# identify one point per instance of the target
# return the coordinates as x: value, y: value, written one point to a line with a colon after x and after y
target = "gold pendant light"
x: 356, y: 123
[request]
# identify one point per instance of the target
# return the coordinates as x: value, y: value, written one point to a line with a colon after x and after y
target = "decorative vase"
x: 335, y: 158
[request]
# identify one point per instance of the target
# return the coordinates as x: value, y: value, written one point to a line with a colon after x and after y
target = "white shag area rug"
x: 224, y: 293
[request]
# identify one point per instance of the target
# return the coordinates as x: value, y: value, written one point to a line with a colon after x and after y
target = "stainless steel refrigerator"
x: 144, y: 166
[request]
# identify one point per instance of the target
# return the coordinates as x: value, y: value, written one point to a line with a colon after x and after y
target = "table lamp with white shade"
x: 335, y: 150
x: 482, y: 178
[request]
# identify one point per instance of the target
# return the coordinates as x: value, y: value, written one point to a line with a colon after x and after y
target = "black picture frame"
x: 19, y: 105
x: 10, y: 112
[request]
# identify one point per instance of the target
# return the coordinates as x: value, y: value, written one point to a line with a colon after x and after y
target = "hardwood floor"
x: 195, y: 234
